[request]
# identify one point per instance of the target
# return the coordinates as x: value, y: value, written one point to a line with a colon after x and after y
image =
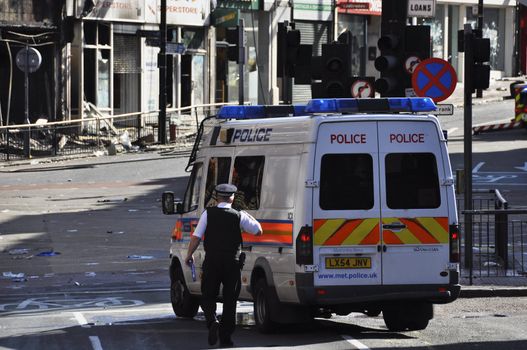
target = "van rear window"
x: 412, y: 181
x: 346, y: 182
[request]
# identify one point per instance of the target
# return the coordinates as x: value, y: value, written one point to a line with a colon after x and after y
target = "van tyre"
x: 263, y: 300
x: 183, y: 303
x: 407, y: 316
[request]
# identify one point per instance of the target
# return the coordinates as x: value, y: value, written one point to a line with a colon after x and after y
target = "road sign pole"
x: 467, y: 36
x: 27, y: 143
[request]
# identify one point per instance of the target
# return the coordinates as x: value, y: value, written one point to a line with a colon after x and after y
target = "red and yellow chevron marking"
x: 274, y: 232
x: 425, y: 230
x: 346, y: 232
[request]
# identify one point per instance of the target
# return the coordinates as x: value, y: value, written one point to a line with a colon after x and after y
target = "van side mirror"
x: 167, y: 201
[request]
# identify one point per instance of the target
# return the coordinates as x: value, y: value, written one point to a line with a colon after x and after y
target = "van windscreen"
x: 346, y: 182
x: 412, y: 181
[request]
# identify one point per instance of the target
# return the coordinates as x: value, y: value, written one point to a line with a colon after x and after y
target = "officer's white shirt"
x: 247, y: 223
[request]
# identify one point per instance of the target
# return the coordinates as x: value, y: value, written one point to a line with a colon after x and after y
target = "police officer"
x: 222, y: 227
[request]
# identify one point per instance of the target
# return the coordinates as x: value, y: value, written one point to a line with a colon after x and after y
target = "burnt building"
x: 32, y: 26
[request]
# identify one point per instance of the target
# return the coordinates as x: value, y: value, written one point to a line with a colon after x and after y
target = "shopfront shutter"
x: 316, y: 34
x: 125, y: 54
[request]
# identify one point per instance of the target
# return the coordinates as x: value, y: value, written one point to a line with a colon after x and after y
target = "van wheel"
x: 183, y: 303
x: 262, y: 308
x: 407, y: 316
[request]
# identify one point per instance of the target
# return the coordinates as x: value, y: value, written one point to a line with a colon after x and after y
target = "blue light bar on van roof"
x: 331, y: 105
x: 260, y: 111
x: 371, y: 105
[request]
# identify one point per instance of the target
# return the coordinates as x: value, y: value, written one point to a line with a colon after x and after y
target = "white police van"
x: 356, y: 200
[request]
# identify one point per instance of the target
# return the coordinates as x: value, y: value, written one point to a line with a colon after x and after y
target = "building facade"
x: 106, y: 52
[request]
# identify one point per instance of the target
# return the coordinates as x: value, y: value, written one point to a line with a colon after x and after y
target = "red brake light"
x: 304, y: 246
x: 454, y: 243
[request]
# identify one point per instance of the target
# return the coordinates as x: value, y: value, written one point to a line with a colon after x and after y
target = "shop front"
x: 114, y: 55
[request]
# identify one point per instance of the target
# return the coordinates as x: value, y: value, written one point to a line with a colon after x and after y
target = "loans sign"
x: 421, y: 8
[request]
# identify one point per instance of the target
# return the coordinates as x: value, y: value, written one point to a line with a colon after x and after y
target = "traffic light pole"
x: 241, y: 61
x: 479, y: 92
x: 467, y: 136
x: 162, y: 64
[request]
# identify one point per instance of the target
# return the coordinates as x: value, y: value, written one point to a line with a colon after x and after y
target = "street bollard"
x: 502, y: 238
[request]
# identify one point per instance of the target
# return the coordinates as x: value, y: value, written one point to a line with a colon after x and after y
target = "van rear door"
x: 414, y: 206
x: 346, y: 207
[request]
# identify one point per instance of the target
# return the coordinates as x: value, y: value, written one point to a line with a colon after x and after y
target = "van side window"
x: 194, y: 188
x: 412, y: 181
x: 217, y: 173
x: 247, y: 176
x: 346, y: 182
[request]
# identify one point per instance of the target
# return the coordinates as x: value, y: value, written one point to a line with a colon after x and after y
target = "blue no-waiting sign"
x: 434, y: 78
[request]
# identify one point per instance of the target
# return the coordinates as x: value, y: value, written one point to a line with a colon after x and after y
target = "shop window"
x: 437, y: 30
x: 103, y: 76
x: 127, y: 73
x: 346, y: 182
x: 104, y: 34
x: 247, y: 176
x: 217, y: 173
x: 89, y: 77
x: 493, y: 19
x: 192, y: 38
x: 90, y: 33
x: 412, y: 181
x: 193, y: 191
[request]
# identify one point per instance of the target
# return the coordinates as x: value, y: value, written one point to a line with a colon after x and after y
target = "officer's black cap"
x: 225, y: 190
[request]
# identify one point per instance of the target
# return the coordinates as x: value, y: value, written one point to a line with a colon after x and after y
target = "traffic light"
x: 418, y: 46
x: 480, y: 70
x: 394, y: 79
x: 303, y: 67
x: 336, y: 70
x: 480, y: 48
x: 235, y: 51
x: 288, y: 46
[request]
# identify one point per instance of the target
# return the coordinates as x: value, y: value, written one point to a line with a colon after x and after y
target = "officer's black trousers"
x: 222, y: 270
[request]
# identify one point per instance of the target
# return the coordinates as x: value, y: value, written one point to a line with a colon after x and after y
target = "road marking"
x: 95, y: 342
x: 477, y: 167
x: 451, y: 130
x: 80, y: 318
x: 355, y: 342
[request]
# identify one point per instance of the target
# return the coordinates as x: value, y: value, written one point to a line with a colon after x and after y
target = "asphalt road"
x: 144, y: 320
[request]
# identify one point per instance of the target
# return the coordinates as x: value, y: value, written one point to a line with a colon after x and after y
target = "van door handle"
x: 396, y: 226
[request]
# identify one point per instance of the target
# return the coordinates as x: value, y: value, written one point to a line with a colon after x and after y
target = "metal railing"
x: 99, y: 131
x: 499, y: 235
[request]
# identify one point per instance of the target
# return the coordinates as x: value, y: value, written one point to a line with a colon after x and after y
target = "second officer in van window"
x: 221, y: 228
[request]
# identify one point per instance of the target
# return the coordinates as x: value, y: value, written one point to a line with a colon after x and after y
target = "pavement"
x: 498, y: 90
x: 479, y: 287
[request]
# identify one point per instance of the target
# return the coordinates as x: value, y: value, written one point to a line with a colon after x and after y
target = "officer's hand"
x: 189, y: 260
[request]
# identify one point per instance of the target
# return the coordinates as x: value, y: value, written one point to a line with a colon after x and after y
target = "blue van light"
x: 416, y: 104
x: 241, y: 112
x: 371, y: 105
x: 260, y: 111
